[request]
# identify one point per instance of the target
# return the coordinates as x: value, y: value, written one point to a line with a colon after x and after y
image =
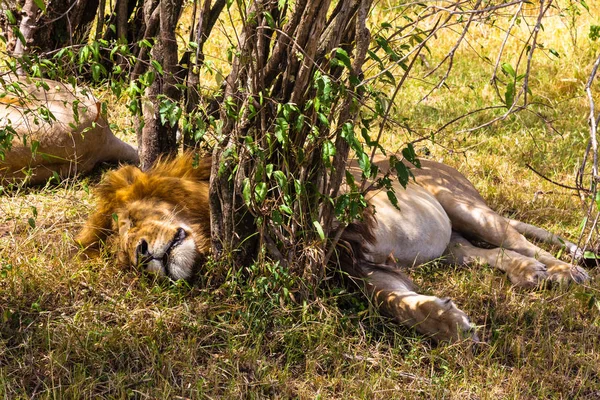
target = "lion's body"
x: 72, y: 137
x: 163, y: 224
x: 424, y: 232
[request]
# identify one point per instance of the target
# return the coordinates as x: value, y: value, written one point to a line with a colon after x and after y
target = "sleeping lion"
x: 48, y: 129
x: 162, y: 224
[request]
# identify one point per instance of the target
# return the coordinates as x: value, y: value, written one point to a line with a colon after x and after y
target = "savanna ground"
x: 73, y: 328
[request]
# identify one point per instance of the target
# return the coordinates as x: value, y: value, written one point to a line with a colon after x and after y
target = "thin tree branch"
x: 503, y: 45
x: 592, y: 122
x: 550, y: 180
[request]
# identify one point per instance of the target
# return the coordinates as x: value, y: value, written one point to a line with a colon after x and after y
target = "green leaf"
x: 299, y: 187
x: 299, y: 123
x: 145, y: 43
x: 403, y: 173
x: 41, y: 5
x: 281, y: 180
x: 84, y: 54
x: 323, y: 119
x: 392, y: 198
x: 554, y: 53
x: 277, y: 217
x: 509, y: 95
x: 319, y: 229
x: 341, y: 204
x: 597, y: 200
x: 31, y: 222
x: 364, y: 162
x: 157, y: 66
x: 270, y: 20
x: 269, y: 170
x: 384, y: 44
x: 34, y: 146
x: 342, y: 55
x: 286, y: 209
x: 96, y: 72
x: 246, y: 191
x: 328, y: 149
x: 389, y: 77
x: 411, y: 156
x: 20, y: 36
x: 584, y: 4
x: 350, y: 181
x: 594, y: 32
x: 589, y: 255
x: 260, y: 192
x: 509, y: 70
x: 11, y: 17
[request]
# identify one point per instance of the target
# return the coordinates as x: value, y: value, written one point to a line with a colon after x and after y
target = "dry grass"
x: 86, y: 329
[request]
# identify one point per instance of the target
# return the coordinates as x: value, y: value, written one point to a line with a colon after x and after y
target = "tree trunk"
x: 27, y: 28
x: 122, y: 17
x: 207, y: 17
x: 65, y: 23
x: 229, y: 221
x: 161, y: 103
x: 269, y: 118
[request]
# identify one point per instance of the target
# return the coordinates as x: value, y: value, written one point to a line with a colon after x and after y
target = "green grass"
x: 72, y: 328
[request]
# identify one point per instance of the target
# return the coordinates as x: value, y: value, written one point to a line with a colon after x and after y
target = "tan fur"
x: 162, y: 224
x: 67, y: 145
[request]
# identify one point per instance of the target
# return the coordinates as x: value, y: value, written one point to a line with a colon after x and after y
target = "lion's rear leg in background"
x: 521, y: 270
x: 473, y: 218
x: 542, y: 235
x: 396, y: 296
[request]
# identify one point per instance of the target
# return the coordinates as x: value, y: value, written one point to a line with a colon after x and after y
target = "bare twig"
x: 593, y: 147
x: 532, y: 48
x: 550, y: 180
x: 592, y: 122
x: 508, y: 32
x: 450, y: 56
x: 397, y: 90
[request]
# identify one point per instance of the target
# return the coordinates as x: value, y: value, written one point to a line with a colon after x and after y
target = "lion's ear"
x: 110, y: 193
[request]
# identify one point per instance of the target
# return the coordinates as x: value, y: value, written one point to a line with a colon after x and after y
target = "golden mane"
x: 182, y: 182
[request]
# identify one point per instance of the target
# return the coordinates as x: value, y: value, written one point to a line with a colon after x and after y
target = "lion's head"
x: 159, y: 218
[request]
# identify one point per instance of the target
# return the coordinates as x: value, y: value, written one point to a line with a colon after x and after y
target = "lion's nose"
x: 142, y: 252
x: 142, y: 248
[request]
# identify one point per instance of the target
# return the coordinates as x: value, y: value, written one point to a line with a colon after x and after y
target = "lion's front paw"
x: 527, y: 273
x: 566, y: 273
x: 454, y: 324
x: 442, y: 320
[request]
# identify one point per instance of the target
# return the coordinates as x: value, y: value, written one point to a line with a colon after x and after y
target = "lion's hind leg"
x: 522, y: 271
x: 542, y: 235
x: 473, y: 218
x: 395, y: 295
